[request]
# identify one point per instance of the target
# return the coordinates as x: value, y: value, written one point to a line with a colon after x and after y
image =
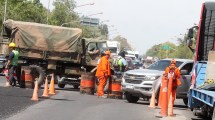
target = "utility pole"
x: 47, y: 20
x: 5, y: 10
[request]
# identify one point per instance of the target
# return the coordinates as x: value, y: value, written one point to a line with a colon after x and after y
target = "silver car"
x: 139, y: 83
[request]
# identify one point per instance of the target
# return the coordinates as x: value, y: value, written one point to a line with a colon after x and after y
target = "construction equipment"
x: 50, y: 49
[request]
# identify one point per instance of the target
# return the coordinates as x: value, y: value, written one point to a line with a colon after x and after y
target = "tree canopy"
x: 62, y: 14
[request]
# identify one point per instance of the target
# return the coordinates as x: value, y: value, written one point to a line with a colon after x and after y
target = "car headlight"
x: 152, y: 77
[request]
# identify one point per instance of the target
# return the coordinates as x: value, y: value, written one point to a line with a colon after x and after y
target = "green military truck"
x: 50, y: 49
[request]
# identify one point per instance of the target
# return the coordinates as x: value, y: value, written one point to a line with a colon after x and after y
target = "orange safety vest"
x: 176, y: 77
x: 103, y: 67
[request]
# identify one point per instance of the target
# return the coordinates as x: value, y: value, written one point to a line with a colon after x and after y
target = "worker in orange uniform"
x: 102, y: 73
x: 175, y: 73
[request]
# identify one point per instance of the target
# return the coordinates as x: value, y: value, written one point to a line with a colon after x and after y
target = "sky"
x: 144, y: 23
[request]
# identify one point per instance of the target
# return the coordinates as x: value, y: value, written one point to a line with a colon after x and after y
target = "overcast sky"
x: 144, y: 22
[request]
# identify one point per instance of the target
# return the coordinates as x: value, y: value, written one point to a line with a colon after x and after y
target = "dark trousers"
x: 11, y: 71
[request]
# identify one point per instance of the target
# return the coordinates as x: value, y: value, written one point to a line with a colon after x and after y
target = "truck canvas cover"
x: 43, y: 37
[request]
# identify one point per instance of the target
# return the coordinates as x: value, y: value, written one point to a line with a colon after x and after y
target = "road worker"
x: 120, y: 64
x: 175, y: 73
x: 12, y: 63
x: 102, y: 73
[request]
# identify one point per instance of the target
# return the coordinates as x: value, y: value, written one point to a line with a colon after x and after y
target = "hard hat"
x: 12, y: 45
x: 107, y: 52
x: 173, y: 61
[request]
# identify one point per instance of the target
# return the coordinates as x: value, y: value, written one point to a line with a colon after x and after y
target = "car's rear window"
x: 162, y: 64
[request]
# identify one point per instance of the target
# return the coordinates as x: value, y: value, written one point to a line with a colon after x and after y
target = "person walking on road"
x: 12, y: 63
x: 102, y: 73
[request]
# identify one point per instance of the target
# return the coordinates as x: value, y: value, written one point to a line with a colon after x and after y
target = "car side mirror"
x: 184, y: 72
x: 190, y: 33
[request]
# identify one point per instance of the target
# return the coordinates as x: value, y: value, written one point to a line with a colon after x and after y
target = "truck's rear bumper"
x: 197, y: 97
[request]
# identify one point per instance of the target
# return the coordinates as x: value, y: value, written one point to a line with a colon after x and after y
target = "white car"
x: 138, y: 83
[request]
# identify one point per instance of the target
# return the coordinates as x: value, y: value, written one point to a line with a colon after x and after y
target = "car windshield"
x: 162, y: 64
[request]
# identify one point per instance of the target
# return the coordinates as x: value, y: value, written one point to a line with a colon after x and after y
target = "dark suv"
x: 3, y: 61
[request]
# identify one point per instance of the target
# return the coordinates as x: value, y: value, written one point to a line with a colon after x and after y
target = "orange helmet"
x: 173, y: 61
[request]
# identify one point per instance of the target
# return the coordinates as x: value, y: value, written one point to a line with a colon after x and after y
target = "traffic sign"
x: 166, y: 47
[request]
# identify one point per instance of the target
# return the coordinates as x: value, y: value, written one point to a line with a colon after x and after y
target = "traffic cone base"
x: 7, y: 84
x: 35, y: 93
x: 152, y: 101
x: 170, y: 107
x: 46, y: 91
x: 51, y: 88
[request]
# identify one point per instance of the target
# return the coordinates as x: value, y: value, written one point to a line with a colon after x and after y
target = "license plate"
x: 129, y: 87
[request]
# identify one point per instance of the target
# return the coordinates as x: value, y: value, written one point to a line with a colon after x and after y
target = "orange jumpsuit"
x: 103, y: 72
x: 175, y: 81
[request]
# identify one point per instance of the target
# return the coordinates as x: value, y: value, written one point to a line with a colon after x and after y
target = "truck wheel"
x: 130, y: 98
x: 61, y: 85
x: 185, y: 100
x: 38, y: 73
x: 157, y: 96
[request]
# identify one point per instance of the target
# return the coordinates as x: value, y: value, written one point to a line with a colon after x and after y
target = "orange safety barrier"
x: 27, y: 80
x: 87, y: 83
x: 164, y: 95
x: 115, y: 89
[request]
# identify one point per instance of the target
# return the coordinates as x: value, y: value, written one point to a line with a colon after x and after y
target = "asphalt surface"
x: 14, y: 99
x: 69, y: 104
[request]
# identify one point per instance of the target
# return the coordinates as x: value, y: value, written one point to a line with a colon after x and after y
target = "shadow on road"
x: 57, y: 99
x: 68, y: 89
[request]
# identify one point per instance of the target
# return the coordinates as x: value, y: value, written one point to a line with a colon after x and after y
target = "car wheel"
x: 157, y: 96
x: 61, y: 85
x: 185, y: 100
x: 130, y: 98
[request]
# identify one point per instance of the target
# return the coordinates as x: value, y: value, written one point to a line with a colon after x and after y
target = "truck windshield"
x: 113, y: 49
x: 162, y: 64
x: 102, y: 46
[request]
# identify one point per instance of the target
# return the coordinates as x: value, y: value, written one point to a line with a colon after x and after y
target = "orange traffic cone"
x: 170, y: 107
x: 164, y: 100
x: 160, y: 97
x: 35, y: 93
x: 7, y: 84
x: 46, y: 91
x: 152, y: 102
x: 51, y: 88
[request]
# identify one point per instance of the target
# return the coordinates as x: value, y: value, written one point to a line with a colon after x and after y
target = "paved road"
x: 13, y: 99
x: 69, y: 104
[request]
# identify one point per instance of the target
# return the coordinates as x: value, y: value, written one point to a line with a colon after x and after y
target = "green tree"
x: 64, y: 13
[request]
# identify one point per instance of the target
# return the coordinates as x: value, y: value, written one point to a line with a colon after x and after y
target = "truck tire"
x: 38, y: 73
x: 185, y: 100
x: 157, y: 96
x: 130, y: 98
x: 61, y: 85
